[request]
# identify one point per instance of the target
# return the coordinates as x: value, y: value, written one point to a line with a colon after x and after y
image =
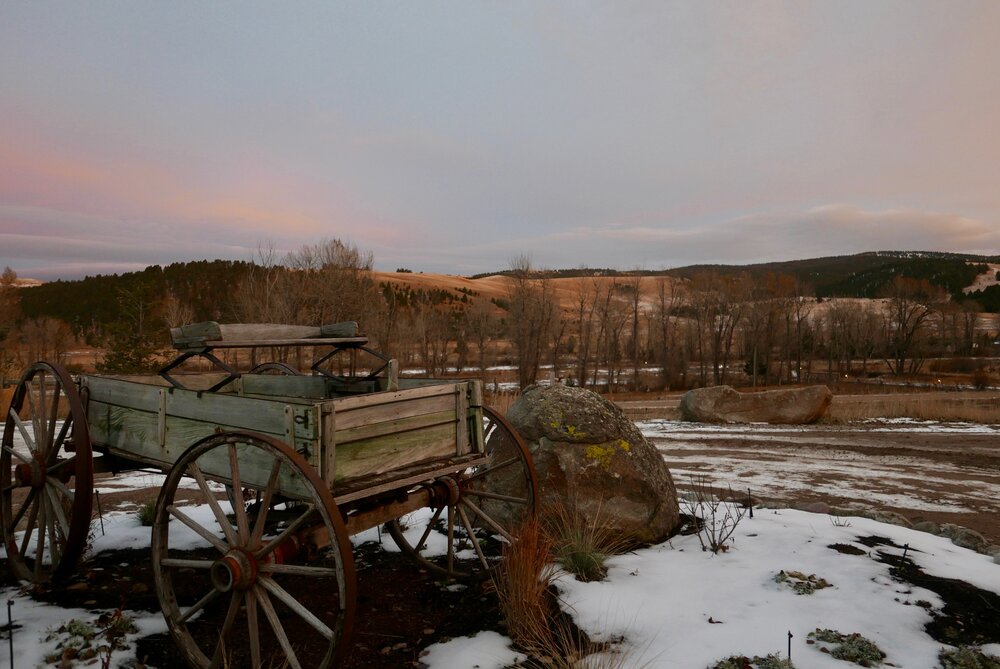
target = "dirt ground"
x: 947, y: 476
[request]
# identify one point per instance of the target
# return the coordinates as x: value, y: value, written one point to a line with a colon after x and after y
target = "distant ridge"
x: 857, y: 275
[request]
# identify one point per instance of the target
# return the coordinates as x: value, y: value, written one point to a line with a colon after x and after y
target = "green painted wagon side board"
x: 137, y: 432
x: 245, y: 412
x: 386, y: 453
x: 310, y: 387
x: 392, y: 411
x: 389, y: 427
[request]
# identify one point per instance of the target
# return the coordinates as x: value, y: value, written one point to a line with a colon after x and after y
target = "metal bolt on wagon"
x: 268, y: 474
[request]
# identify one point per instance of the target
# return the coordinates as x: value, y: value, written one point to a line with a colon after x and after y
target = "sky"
x: 455, y: 136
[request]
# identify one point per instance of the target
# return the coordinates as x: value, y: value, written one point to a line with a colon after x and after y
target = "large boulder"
x: 592, y: 459
x: 722, y: 404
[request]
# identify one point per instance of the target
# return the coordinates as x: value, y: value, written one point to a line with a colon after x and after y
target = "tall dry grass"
x: 525, y: 590
x: 921, y: 407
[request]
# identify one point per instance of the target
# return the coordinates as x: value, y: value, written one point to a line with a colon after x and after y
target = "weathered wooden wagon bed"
x: 253, y: 559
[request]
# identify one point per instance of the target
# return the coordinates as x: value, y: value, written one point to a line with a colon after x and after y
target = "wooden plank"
x: 383, y: 454
x: 388, y: 427
x: 245, y: 412
x: 392, y: 411
x: 478, y: 442
x: 475, y: 393
x: 122, y: 393
x: 340, y: 330
x: 440, y: 388
x: 311, y: 387
x: 401, y: 477
x: 462, y: 424
x: 328, y: 454
x: 326, y: 341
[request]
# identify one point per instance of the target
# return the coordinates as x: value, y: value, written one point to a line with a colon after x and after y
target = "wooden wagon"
x: 268, y: 474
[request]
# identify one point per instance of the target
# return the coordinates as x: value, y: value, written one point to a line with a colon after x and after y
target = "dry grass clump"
x: 921, y: 407
x: 582, y: 544
x: 524, y: 587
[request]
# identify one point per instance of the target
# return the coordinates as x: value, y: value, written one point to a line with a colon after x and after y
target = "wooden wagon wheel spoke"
x: 489, y: 521
x: 241, y: 513
x: 213, y: 503
x: 266, y: 590
x: 193, y: 524
x: 276, y: 627
x: 227, y: 626
x: 253, y: 627
x: 292, y: 528
x: 40, y: 541
x: 10, y: 526
x: 60, y: 438
x: 55, y: 512
x: 199, y: 605
x: 60, y: 514
x: 265, y: 503
x: 492, y: 499
x: 28, y: 439
x: 32, y: 517
x: 298, y: 569
x: 296, y: 608
x: 430, y: 526
x: 497, y: 496
x: 492, y: 469
x: 33, y: 409
x: 61, y: 488
x: 11, y: 451
x: 472, y: 538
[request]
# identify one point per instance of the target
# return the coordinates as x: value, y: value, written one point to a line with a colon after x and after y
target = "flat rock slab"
x: 723, y: 404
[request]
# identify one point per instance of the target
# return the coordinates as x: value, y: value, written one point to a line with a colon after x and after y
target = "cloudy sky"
x: 455, y: 136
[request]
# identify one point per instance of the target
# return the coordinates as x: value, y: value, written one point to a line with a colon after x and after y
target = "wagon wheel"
x: 46, y: 475
x: 465, y: 538
x: 277, y: 368
x: 241, y: 595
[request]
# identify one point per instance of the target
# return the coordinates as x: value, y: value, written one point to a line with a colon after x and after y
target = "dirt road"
x: 925, y: 471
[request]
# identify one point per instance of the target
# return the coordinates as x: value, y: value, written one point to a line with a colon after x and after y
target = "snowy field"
x: 673, y: 605
x: 678, y: 607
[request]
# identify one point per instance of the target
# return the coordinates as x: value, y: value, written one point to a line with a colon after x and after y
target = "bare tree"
x: 483, y: 326
x: 666, y: 343
x: 532, y: 315
x: 910, y: 305
x: 719, y: 306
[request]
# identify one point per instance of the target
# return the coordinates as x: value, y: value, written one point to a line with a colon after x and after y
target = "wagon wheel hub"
x: 445, y: 491
x: 30, y: 474
x: 236, y: 570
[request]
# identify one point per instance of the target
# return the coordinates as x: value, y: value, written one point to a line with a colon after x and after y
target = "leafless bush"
x: 715, y: 520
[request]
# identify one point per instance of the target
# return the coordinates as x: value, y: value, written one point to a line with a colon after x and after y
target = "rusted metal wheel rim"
x: 248, y: 598
x: 481, y: 516
x: 46, y: 484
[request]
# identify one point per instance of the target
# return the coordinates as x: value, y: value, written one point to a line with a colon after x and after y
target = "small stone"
x: 813, y: 507
x: 428, y: 630
x: 889, y: 517
x: 78, y: 587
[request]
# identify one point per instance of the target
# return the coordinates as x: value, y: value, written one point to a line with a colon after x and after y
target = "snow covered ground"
x: 661, y: 600
x: 679, y: 607
x: 670, y: 605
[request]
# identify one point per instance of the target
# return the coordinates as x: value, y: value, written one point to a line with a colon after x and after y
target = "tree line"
x: 619, y: 330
